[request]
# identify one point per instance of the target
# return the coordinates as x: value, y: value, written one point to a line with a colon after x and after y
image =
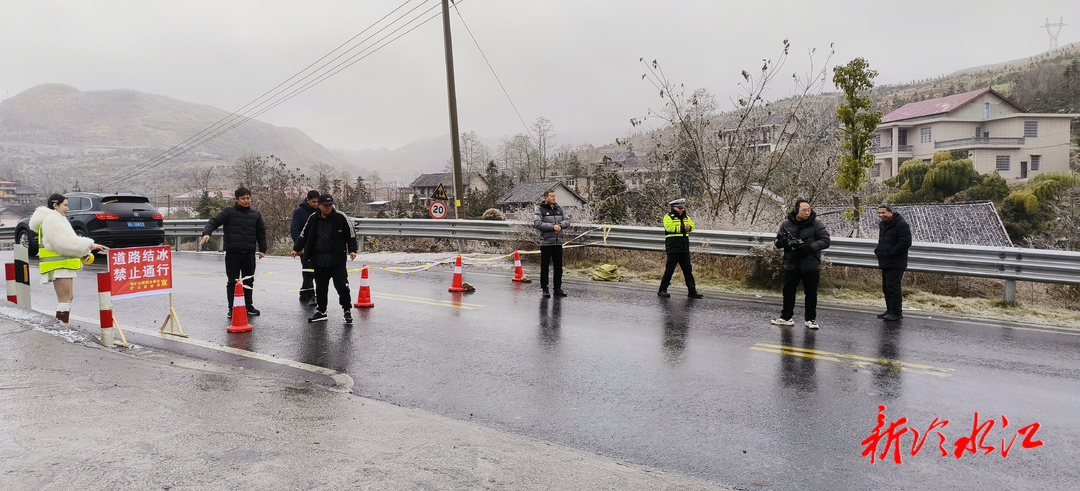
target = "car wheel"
x: 80, y: 232
x: 24, y: 240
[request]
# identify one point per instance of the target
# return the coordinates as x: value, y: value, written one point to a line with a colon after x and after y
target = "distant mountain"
x: 402, y: 164
x: 101, y: 133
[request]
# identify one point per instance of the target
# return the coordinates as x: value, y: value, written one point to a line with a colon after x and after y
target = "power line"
x: 236, y: 119
x: 234, y: 115
x: 462, y: 19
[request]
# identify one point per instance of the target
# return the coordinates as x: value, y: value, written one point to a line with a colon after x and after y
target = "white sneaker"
x: 780, y: 321
x: 812, y: 325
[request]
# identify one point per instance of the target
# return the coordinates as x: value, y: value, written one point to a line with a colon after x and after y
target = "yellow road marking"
x: 342, y: 381
x: 860, y: 361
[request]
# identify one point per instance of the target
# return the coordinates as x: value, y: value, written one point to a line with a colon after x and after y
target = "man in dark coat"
x: 299, y: 218
x: 245, y: 235
x: 327, y: 237
x: 894, y: 240
x: 677, y: 227
x: 550, y: 220
x: 803, y: 237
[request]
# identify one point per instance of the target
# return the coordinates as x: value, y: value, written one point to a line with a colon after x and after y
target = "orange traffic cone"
x: 363, y: 299
x: 457, y: 286
x: 239, y: 311
x: 518, y: 273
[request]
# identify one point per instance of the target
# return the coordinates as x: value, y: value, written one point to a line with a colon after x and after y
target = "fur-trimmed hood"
x: 58, y: 236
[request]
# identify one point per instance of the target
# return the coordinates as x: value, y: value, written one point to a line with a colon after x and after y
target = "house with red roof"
x: 996, y: 132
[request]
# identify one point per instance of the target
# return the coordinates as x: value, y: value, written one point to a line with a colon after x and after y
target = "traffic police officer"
x: 677, y: 226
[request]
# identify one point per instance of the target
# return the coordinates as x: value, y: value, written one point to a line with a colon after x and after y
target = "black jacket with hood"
x: 815, y: 239
x: 299, y: 217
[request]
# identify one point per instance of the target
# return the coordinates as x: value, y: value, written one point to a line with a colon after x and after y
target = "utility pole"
x: 455, y: 141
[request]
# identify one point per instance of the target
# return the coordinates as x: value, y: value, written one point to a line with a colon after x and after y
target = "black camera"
x: 790, y: 241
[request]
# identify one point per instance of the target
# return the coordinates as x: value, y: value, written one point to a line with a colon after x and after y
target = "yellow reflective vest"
x: 51, y: 261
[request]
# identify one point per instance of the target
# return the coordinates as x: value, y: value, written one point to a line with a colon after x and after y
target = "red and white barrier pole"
x: 105, y: 306
x: 9, y: 271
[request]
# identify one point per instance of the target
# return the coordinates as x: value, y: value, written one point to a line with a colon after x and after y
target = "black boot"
x: 663, y: 293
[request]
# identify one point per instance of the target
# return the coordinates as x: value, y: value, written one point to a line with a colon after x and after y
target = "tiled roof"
x: 433, y: 180
x: 955, y: 223
x: 942, y: 105
x: 531, y: 192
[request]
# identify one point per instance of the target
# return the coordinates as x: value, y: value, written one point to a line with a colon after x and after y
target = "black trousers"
x: 681, y: 259
x: 548, y: 255
x: 238, y: 265
x: 810, y: 280
x: 890, y: 286
x: 340, y: 275
x: 306, y: 288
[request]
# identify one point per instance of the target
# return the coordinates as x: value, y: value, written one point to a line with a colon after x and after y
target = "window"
x: 876, y: 171
x: 1031, y: 129
x: 986, y: 110
x: 1003, y: 163
x: 902, y: 137
x: 925, y: 136
x: 1035, y: 161
x: 877, y: 140
x: 978, y: 132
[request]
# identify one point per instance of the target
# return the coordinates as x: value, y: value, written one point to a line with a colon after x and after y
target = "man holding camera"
x: 803, y: 237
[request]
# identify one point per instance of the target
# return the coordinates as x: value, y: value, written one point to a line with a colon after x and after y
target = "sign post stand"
x: 172, y: 320
x: 141, y: 271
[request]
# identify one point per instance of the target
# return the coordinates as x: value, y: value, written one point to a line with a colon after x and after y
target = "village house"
x: 521, y: 202
x: 426, y: 184
x: 997, y: 134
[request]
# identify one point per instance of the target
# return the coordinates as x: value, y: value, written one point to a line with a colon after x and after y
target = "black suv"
x: 113, y: 220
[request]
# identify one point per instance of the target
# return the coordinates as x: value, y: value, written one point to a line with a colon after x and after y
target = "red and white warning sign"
x: 438, y: 210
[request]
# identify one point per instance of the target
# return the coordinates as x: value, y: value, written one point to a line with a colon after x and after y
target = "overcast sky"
x: 572, y: 61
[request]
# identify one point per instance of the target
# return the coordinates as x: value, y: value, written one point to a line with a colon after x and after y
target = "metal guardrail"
x: 1011, y: 264
x: 1007, y: 263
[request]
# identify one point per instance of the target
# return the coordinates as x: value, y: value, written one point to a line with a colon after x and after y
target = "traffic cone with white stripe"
x: 363, y: 299
x: 239, y: 311
x: 518, y: 273
x: 457, y: 286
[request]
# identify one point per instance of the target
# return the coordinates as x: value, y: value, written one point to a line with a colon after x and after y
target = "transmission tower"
x: 1054, y: 35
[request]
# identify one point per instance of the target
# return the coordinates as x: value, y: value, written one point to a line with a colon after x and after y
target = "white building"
x: 997, y: 133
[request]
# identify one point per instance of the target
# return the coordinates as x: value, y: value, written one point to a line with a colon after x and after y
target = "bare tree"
x: 729, y: 159
x: 474, y: 154
x: 544, y: 133
x: 202, y: 180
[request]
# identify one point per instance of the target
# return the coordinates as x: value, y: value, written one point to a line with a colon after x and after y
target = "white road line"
x: 342, y: 381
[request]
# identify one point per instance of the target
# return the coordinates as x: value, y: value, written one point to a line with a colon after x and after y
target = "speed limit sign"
x: 438, y: 210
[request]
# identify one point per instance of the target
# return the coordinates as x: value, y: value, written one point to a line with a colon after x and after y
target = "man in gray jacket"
x: 550, y: 220
x: 803, y: 237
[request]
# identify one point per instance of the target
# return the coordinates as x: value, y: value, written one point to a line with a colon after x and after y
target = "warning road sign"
x: 439, y: 194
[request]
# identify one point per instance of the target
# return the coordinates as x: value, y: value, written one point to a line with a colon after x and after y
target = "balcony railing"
x: 971, y: 142
x: 888, y: 149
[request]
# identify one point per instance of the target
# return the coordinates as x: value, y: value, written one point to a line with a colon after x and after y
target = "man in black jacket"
x: 894, y: 240
x: 299, y: 218
x: 550, y: 220
x: 245, y: 234
x: 803, y: 237
x: 327, y: 237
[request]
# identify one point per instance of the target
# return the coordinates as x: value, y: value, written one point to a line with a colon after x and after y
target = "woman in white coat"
x: 59, y: 251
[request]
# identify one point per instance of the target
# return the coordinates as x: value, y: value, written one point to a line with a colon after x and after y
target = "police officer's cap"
x: 679, y: 203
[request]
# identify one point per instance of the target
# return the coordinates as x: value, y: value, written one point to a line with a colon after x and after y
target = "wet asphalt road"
x: 697, y: 386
